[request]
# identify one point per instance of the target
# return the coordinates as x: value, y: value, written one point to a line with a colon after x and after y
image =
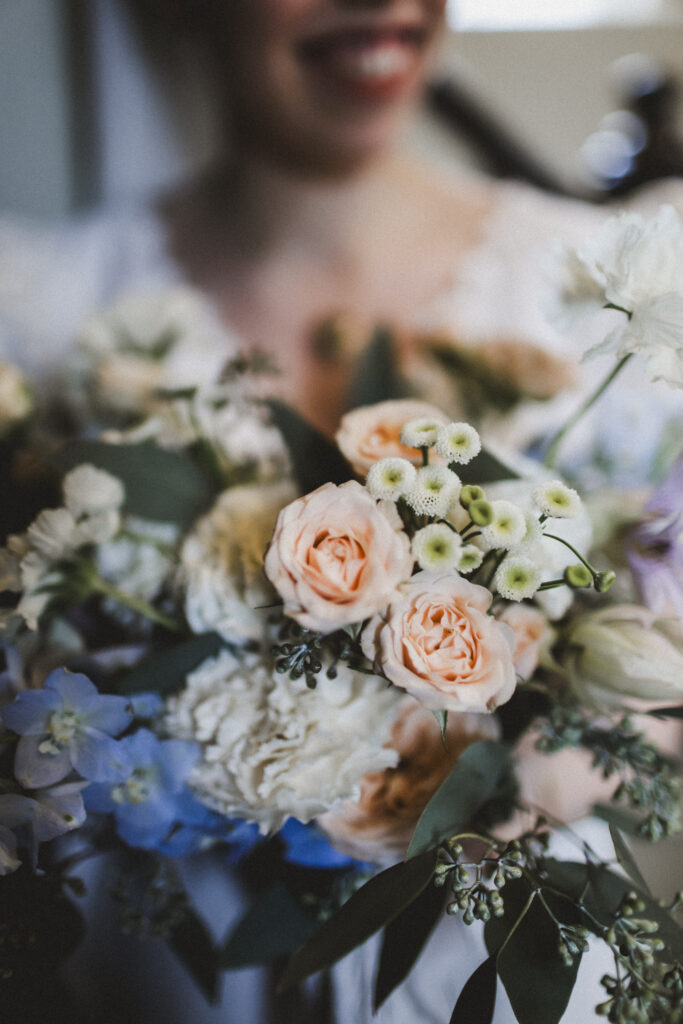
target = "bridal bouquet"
x: 375, y: 676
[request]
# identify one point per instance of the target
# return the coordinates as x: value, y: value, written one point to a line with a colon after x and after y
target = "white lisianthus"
x: 624, y: 657
x: 272, y: 748
x: 636, y: 265
x: 88, y: 490
x: 458, y: 442
x: 15, y: 398
x: 437, y: 548
x: 508, y: 526
x: 435, y: 492
x: 222, y: 561
x: 556, y: 500
x: 390, y: 478
x: 420, y: 433
x: 517, y: 578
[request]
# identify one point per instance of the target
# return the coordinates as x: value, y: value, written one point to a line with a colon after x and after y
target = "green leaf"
x: 477, y: 1001
x: 167, y: 672
x: 617, y: 817
x: 626, y: 859
x: 675, y: 712
x: 486, y: 469
x: 375, y: 378
x: 273, y: 926
x: 537, y: 981
x: 193, y: 945
x: 160, y: 484
x: 404, y: 939
x: 376, y: 903
x: 477, y: 777
x: 442, y: 719
x: 315, y: 459
x: 604, y: 891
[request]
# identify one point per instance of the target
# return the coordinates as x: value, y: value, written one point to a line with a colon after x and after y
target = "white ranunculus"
x: 88, y: 491
x: 624, y: 657
x: 272, y: 748
x: 15, y: 398
x: 222, y: 561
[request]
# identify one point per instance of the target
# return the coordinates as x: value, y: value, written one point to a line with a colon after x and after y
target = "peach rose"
x: 337, y: 556
x: 383, y: 819
x: 371, y: 433
x: 533, y: 633
x: 437, y: 642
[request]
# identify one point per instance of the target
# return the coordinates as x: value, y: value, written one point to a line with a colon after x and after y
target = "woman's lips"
x: 367, y: 63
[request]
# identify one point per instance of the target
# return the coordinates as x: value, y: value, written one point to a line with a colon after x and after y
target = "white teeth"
x: 378, y: 62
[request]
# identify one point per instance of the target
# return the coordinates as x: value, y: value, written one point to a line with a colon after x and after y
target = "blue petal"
x: 151, y: 814
x: 142, y: 748
x: 109, y: 714
x: 182, y: 842
x: 73, y: 687
x: 99, y: 758
x: 146, y: 705
x: 177, y: 759
x: 97, y: 797
x: 60, y: 810
x: 306, y: 846
x: 30, y: 713
x: 35, y: 770
x: 144, y: 838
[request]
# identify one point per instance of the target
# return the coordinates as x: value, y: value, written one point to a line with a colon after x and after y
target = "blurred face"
x: 322, y: 84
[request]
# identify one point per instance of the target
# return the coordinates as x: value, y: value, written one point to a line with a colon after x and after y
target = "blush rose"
x: 533, y: 634
x: 437, y: 642
x: 337, y: 556
x: 372, y: 432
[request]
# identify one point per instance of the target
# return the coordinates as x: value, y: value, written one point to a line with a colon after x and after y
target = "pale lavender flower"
x: 655, y: 548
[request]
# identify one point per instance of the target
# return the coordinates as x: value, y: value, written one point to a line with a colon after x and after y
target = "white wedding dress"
x: 51, y: 278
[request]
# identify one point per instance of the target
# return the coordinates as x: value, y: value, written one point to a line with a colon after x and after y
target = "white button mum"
x: 458, y: 442
x: 390, y: 478
x: 437, y: 548
x: 435, y: 492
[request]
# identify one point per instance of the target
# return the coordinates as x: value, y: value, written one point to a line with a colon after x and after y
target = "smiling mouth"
x: 371, y: 63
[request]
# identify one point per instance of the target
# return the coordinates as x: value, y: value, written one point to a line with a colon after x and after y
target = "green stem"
x: 551, y: 454
x: 136, y: 604
x: 561, y: 540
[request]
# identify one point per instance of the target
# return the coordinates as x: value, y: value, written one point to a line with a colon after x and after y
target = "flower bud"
x: 578, y: 575
x: 604, y: 580
x: 470, y: 493
x: 481, y: 512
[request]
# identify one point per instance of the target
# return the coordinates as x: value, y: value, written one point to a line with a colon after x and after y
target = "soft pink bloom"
x: 436, y: 641
x: 337, y: 556
x: 532, y: 632
x: 382, y: 820
x: 371, y: 433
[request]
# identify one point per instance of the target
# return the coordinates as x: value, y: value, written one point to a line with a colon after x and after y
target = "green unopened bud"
x: 470, y: 493
x: 481, y: 512
x: 578, y: 575
x: 604, y: 580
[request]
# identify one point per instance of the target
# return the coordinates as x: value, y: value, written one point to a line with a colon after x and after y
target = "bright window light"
x: 499, y: 15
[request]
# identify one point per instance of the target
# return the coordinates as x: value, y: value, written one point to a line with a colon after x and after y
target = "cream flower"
x: 437, y: 547
x: 437, y: 642
x: 15, y: 398
x: 390, y: 478
x: 458, y: 442
x: 383, y: 819
x: 533, y: 635
x: 435, y: 491
x: 271, y: 748
x: 336, y: 556
x: 222, y: 561
x: 88, y: 490
x: 372, y: 432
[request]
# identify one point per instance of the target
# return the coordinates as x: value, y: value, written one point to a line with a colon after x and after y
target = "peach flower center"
x: 441, y: 640
x: 335, y: 563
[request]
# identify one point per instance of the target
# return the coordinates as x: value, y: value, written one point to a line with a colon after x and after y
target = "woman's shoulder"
x: 52, y: 275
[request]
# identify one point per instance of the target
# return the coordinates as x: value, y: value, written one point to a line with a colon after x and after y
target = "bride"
x: 317, y: 214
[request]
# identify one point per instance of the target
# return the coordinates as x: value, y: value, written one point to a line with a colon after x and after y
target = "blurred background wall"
x: 82, y: 120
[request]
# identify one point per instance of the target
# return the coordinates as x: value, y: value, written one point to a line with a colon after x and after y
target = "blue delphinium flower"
x: 68, y: 724
x: 307, y: 846
x: 42, y: 816
x: 198, y: 827
x: 153, y: 797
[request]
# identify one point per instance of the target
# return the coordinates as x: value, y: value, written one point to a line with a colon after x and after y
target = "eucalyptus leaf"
x: 675, y: 712
x: 375, y: 904
x: 376, y: 378
x: 160, y: 485
x: 486, y: 468
x: 315, y: 459
x: 166, y: 672
x: 404, y: 939
x: 478, y: 775
x: 274, y: 925
x: 626, y: 859
x: 537, y: 981
x: 617, y: 817
x: 477, y: 1001
x: 192, y: 943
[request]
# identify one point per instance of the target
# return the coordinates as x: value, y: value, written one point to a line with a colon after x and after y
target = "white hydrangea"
x: 272, y: 748
x: 508, y: 527
x: 222, y: 561
x: 517, y: 578
x: 556, y: 500
x: 458, y: 442
x: 390, y: 478
x: 420, y: 433
x: 435, y: 492
x: 437, y: 548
